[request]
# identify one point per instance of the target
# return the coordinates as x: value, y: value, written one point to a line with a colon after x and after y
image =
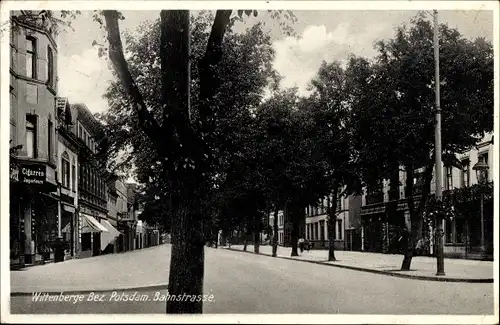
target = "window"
x: 449, y: 231
x: 49, y: 140
x: 322, y: 229
x: 484, y: 157
x: 31, y: 57
x: 339, y: 223
x: 449, y: 178
x: 465, y: 174
x: 73, y: 176
x: 50, y: 67
x: 80, y: 132
x: 31, y: 135
x: 65, y: 170
x: 460, y: 231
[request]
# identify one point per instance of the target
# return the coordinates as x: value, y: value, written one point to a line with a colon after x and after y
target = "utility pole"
x: 437, y: 153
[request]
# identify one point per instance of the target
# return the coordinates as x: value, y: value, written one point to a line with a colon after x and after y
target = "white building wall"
x: 472, y: 155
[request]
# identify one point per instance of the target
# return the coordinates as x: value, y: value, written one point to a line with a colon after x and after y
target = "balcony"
x: 418, y: 188
x: 373, y: 198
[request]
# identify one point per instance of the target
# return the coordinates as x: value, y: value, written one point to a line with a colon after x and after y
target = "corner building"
x: 33, y: 123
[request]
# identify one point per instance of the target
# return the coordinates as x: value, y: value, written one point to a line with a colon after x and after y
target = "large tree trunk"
x: 187, y: 260
x: 295, y: 215
x: 256, y: 236
x: 275, y: 231
x: 416, y: 215
x: 186, y: 267
x: 413, y: 231
x: 245, y: 239
x: 332, y: 219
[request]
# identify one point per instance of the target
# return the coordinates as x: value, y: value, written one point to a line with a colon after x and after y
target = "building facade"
x: 385, y: 211
x: 68, y: 148
x: 462, y: 234
x: 346, y: 223
x: 112, y: 247
x: 33, y: 123
x: 124, y: 223
x: 127, y: 216
x: 92, y: 187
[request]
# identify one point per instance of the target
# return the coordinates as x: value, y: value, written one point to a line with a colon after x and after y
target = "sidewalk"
x: 422, y: 268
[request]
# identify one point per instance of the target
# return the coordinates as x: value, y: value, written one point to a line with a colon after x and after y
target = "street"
x: 240, y: 283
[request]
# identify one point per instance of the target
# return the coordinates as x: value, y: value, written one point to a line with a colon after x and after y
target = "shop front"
x: 373, y: 220
x: 108, y: 239
x: 69, y: 231
x: 33, y: 214
x: 90, y: 235
x: 126, y: 239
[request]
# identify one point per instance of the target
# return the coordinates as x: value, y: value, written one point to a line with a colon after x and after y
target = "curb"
x: 156, y: 287
x: 361, y: 269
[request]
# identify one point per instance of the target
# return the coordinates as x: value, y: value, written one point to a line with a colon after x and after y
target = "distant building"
x: 385, y: 209
x: 346, y: 223
x: 126, y: 223
x: 68, y: 148
x: 129, y: 218
x: 92, y: 187
x: 281, y: 226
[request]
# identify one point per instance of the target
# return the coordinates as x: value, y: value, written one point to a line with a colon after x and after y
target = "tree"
x: 329, y: 108
x: 291, y: 168
x: 183, y: 122
x: 393, y: 109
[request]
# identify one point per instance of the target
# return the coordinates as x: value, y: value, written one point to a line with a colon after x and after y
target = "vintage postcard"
x: 249, y: 161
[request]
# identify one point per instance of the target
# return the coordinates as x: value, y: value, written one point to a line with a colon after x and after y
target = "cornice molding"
x: 36, y: 29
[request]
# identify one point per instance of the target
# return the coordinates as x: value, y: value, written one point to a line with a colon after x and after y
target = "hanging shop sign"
x: 33, y: 174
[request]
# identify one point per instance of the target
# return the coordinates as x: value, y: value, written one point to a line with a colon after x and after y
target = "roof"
x: 87, y: 119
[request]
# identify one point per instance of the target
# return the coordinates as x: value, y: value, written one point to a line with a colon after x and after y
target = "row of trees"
x: 214, y: 153
x: 361, y: 123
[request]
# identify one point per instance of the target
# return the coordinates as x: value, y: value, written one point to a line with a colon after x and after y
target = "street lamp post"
x: 437, y: 153
x: 481, y: 167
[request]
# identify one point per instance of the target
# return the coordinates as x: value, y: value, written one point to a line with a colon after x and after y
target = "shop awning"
x: 90, y: 224
x: 108, y: 237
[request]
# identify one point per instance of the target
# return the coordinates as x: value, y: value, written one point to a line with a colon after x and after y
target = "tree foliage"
x: 394, y: 114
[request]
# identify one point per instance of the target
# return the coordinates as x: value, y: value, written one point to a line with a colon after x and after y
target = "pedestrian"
x: 301, y: 244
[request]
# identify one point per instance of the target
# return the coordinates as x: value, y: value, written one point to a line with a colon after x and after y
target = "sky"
x: 322, y: 35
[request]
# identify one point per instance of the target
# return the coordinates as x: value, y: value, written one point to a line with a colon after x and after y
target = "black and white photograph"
x: 279, y: 161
